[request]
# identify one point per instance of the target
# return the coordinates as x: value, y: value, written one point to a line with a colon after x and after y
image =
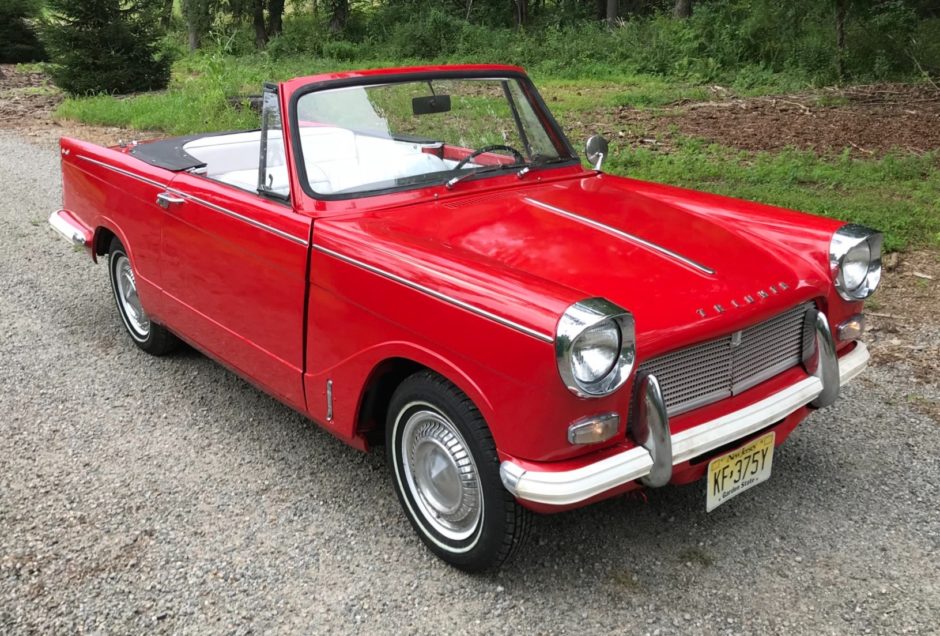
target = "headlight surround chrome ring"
x: 855, y: 257
x: 590, y: 323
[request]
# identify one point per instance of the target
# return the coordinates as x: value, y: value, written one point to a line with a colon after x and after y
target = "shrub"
x: 432, y: 35
x: 303, y: 35
x: 105, y: 46
x: 18, y: 41
x: 340, y: 50
x: 925, y: 46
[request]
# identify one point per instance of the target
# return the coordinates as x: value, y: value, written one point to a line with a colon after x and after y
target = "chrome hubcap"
x: 441, y: 474
x: 127, y: 296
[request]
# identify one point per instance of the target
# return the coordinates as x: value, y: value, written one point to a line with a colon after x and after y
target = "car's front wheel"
x: 153, y: 338
x: 446, y: 474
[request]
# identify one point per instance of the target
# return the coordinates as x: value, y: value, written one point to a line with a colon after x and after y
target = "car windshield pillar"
x: 272, y: 160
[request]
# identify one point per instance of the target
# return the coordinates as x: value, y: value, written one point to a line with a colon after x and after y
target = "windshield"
x: 410, y: 134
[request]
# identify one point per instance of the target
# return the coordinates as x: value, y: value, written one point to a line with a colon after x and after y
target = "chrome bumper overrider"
x: 62, y: 222
x: 561, y: 488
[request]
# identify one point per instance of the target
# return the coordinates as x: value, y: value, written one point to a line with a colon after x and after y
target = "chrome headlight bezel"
x: 843, y: 241
x: 574, y: 322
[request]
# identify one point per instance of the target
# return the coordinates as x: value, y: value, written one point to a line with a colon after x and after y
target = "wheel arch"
x: 386, y: 375
x: 101, y: 241
x: 105, y: 231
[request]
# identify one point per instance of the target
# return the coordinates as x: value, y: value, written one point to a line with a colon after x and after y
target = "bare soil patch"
x: 27, y: 103
x: 867, y: 121
x: 904, y: 323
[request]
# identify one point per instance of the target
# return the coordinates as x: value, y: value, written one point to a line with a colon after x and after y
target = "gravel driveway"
x: 141, y: 494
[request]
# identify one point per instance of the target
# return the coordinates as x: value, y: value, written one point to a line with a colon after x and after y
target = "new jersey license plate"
x: 744, y: 468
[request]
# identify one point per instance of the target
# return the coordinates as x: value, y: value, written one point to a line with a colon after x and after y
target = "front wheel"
x: 153, y: 338
x: 446, y: 475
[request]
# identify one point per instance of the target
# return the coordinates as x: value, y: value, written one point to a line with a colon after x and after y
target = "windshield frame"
x: 538, y: 105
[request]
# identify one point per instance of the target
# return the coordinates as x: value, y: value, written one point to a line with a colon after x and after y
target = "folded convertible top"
x: 169, y: 153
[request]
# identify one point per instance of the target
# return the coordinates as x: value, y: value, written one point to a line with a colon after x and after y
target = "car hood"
x: 686, y: 264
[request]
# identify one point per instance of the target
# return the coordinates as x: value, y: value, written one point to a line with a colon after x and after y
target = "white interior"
x: 336, y: 159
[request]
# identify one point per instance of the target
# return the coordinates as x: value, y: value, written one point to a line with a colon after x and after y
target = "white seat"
x: 248, y: 179
x: 336, y: 159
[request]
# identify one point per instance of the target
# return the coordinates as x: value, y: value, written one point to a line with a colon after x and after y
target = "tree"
x: 257, y: 19
x: 18, y: 41
x: 339, y: 15
x: 683, y: 9
x: 105, y: 46
x: 198, y: 15
x: 520, y: 12
x: 612, y: 8
x: 166, y: 16
x: 273, y: 26
x: 841, y: 11
x: 275, y: 17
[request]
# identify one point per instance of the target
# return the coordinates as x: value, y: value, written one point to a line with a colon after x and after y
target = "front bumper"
x: 568, y: 487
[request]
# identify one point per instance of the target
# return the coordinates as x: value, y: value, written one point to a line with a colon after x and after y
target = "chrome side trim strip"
x: 126, y: 173
x: 240, y: 217
x: 559, y: 488
x: 603, y: 227
x: 329, y: 400
x: 436, y: 294
x: 203, y: 202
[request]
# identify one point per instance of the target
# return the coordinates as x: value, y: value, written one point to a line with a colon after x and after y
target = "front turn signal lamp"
x: 851, y: 328
x: 593, y: 429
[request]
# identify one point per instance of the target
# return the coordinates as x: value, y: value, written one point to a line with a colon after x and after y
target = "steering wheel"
x: 476, y: 153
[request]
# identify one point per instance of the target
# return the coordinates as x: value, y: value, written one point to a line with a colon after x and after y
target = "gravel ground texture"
x: 167, y: 495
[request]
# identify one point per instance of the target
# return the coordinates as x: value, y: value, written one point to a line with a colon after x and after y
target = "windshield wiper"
x: 485, y: 169
x: 542, y: 163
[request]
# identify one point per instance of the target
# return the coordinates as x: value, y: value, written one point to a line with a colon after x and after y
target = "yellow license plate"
x: 744, y: 468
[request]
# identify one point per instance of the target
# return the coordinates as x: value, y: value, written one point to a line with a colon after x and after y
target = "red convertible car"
x: 417, y: 257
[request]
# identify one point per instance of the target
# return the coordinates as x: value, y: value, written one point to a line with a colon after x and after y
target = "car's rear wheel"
x: 146, y: 334
x: 446, y: 474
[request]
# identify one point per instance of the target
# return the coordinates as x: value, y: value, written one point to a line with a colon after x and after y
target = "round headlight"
x: 594, y: 347
x: 855, y: 257
x: 855, y: 265
x: 595, y: 352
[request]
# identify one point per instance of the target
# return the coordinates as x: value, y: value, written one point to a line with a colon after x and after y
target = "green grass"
x: 899, y: 194
x: 196, y: 98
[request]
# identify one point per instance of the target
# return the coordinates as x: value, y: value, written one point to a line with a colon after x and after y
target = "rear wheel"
x: 153, y: 338
x: 446, y: 475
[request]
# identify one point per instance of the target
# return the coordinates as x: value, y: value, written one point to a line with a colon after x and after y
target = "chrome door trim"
x: 436, y: 294
x: 620, y: 234
x: 240, y: 217
x: 203, y: 202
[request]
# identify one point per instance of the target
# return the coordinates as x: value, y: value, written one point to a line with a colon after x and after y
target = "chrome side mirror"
x: 596, y: 150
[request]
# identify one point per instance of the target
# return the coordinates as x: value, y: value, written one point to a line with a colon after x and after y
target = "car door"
x: 234, y: 272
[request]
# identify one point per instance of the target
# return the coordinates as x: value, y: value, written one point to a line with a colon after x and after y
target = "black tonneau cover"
x: 169, y: 154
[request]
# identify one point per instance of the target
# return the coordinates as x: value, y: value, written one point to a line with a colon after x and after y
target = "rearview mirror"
x: 430, y: 104
x: 596, y: 150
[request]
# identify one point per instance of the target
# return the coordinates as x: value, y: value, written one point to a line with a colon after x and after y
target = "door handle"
x: 165, y: 200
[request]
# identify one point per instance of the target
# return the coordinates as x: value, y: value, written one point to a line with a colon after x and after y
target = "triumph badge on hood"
x: 748, y: 299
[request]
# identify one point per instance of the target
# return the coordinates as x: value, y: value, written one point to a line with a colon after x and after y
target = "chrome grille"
x: 707, y: 372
